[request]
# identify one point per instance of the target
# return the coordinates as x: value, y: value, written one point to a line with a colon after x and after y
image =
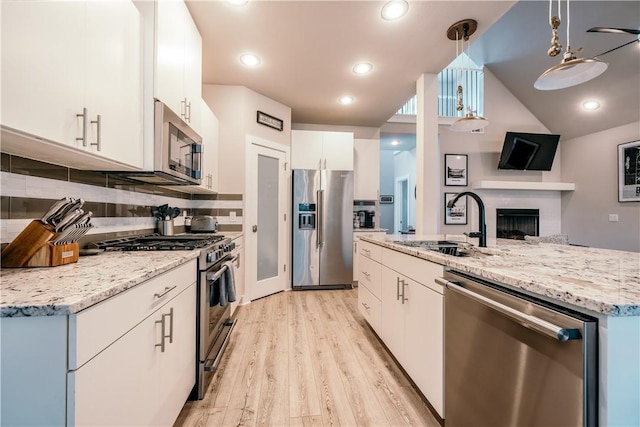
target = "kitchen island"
x: 604, y: 284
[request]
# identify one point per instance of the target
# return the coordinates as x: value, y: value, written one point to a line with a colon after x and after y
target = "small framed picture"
x: 458, y: 214
x: 456, y: 170
x: 629, y: 172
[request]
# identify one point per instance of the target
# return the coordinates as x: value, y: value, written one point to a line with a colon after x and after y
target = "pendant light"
x: 460, y: 31
x: 571, y: 71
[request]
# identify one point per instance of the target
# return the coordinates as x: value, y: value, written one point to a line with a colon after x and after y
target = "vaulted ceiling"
x: 308, y: 49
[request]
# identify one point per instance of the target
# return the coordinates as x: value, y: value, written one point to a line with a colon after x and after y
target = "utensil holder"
x: 33, y: 247
x: 165, y: 228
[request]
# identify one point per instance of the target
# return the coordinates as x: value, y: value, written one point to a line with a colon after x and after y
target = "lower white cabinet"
x: 144, y: 377
x: 408, y: 317
x: 356, y: 239
x: 109, y: 364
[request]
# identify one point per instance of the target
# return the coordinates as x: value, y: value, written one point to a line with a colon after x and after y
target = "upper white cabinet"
x: 321, y: 150
x: 209, y: 130
x: 366, y: 170
x: 72, y: 78
x: 178, y: 60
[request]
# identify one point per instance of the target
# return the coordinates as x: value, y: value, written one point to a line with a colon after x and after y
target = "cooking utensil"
x: 175, y: 212
x: 203, y: 223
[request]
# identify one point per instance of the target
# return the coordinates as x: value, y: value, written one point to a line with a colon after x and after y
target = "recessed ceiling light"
x: 250, y: 60
x: 395, y: 142
x: 394, y: 9
x: 237, y: 2
x: 362, y: 68
x: 591, y: 105
x: 345, y: 100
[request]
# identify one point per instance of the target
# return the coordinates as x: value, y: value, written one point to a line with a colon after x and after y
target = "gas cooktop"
x: 156, y: 242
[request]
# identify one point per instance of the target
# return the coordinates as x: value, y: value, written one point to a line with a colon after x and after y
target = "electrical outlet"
x: 232, y: 216
x: 613, y: 217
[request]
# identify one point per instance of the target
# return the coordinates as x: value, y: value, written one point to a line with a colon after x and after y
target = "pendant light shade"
x: 469, y: 122
x: 570, y: 73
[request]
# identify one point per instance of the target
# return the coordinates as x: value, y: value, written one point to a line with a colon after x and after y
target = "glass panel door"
x: 268, y: 185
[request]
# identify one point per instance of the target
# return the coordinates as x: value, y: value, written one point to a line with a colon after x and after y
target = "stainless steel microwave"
x: 177, y: 152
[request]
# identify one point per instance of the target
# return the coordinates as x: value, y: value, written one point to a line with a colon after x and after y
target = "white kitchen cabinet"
x: 104, y: 365
x: 163, y: 370
x: 404, y: 305
x: 73, y: 56
x: 321, y: 150
x: 178, y: 61
x: 209, y: 130
x: 366, y: 169
x: 356, y: 243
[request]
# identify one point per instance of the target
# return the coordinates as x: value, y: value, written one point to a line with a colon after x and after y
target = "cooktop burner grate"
x: 156, y: 242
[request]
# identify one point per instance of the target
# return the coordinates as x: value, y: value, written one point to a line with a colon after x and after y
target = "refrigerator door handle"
x: 319, y: 234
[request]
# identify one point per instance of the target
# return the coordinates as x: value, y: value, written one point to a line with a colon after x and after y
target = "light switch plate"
x: 613, y: 217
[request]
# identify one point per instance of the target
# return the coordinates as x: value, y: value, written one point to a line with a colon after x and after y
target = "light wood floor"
x: 306, y: 358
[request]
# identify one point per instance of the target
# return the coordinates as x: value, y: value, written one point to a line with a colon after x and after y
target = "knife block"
x: 33, y: 248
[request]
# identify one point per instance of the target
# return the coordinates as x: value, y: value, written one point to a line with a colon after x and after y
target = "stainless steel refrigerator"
x: 322, y: 228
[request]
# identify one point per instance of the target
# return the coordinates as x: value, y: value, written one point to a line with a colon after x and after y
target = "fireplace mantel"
x: 523, y: 185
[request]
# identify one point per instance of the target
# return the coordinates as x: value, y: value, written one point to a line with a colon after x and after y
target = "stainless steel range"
x: 213, y: 323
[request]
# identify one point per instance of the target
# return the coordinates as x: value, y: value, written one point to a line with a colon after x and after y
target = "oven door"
x: 217, y: 319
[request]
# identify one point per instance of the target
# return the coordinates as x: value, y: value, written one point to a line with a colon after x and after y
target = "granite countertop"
x: 73, y: 287
x: 369, y: 230
x: 601, y: 280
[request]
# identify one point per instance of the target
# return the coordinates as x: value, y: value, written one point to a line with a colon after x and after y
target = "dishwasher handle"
x: 528, y: 321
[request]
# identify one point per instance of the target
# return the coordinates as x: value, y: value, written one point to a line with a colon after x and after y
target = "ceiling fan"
x: 611, y: 30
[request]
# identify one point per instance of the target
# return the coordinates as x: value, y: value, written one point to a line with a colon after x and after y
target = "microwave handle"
x: 196, y: 152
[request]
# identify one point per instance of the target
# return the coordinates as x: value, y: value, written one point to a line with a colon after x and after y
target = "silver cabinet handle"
x: 397, y: 289
x: 404, y: 285
x: 365, y: 306
x: 167, y: 289
x: 528, y: 321
x: 163, y: 332
x: 83, y: 138
x: 183, y: 108
x: 98, y: 123
x: 367, y: 275
x: 366, y: 251
x: 188, y: 111
x: 325, y: 163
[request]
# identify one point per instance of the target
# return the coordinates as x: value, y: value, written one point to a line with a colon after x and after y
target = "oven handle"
x: 212, y: 364
x: 212, y: 277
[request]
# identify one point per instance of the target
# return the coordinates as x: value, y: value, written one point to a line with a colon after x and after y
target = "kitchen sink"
x: 444, y: 246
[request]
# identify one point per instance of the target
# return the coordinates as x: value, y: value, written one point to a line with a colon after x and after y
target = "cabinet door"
x: 170, y: 42
x: 178, y: 362
x: 337, y: 150
x: 43, y: 68
x: 119, y: 386
x: 192, y: 70
x: 366, y: 176
x: 114, y: 80
x: 209, y: 126
x: 392, y: 314
x: 306, y: 149
x: 424, y: 341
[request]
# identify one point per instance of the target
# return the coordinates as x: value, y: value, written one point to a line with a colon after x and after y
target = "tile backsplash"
x: 120, y: 207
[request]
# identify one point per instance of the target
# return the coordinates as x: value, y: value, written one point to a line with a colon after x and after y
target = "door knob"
x: 254, y: 228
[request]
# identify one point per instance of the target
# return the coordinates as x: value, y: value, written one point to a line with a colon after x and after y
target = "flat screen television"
x: 528, y: 151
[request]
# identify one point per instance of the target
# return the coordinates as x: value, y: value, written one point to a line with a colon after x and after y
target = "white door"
x: 266, y: 228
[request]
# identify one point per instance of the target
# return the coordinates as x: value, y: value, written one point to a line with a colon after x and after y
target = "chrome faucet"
x: 482, y: 234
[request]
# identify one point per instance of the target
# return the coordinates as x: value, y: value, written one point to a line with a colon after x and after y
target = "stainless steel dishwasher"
x: 513, y: 360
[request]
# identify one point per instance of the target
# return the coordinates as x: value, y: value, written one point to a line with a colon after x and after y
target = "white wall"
x: 405, y: 167
x: 505, y: 113
x: 236, y: 107
x: 591, y: 162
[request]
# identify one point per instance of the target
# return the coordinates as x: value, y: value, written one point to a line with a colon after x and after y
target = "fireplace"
x: 516, y: 223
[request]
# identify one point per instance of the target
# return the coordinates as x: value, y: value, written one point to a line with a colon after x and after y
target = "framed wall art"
x: 629, y: 172
x: 456, y: 170
x: 458, y: 214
